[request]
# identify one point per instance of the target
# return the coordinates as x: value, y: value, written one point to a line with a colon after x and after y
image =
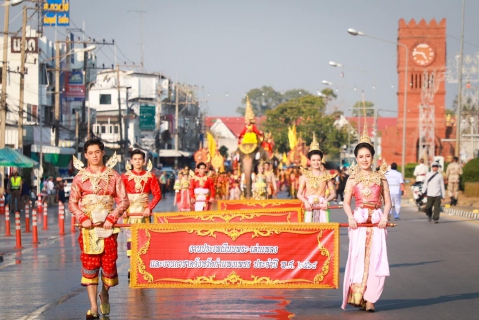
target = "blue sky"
x: 226, y: 47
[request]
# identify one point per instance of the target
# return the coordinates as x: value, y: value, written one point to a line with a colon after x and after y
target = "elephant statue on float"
x: 249, y: 158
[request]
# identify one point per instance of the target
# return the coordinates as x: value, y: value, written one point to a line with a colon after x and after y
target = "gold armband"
x: 331, y: 188
x: 386, y: 189
x: 347, y: 191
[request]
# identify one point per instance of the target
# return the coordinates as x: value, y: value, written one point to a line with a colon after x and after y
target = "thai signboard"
x: 56, y: 13
x: 16, y: 45
x: 235, y: 255
x: 74, y: 87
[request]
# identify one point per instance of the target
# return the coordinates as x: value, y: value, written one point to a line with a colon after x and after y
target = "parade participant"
x: 139, y: 183
x: 184, y: 204
x: 268, y: 144
x: 259, y: 184
x: 177, y: 188
x: 250, y: 136
x: 453, y: 173
x: 433, y: 187
x: 420, y: 171
x: 313, y: 184
x: 293, y: 182
x: 271, y: 186
x: 367, y: 264
x: 234, y: 185
x: 98, y: 188
x: 202, y: 189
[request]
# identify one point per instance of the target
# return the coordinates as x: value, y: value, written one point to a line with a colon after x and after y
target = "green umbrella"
x: 12, y: 158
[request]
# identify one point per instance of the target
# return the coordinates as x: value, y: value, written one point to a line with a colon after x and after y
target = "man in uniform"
x: 15, y: 191
x: 202, y: 189
x: 453, y: 172
x: 98, y: 188
x: 139, y: 183
x: 396, y: 189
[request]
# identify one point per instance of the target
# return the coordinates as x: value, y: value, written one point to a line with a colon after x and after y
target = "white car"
x: 68, y: 186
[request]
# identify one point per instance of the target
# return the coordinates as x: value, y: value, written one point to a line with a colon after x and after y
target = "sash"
x: 200, y: 198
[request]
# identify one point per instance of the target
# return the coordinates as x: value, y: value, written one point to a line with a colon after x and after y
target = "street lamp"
x: 355, y: 32
x: 339, y: 65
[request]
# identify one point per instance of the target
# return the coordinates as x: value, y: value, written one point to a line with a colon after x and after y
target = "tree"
x: 308, y: 113
x: 223, y: 151
x: 359, y: 109
x: 266, y: 98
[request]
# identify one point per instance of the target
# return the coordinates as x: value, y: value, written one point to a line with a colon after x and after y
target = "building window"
x: 111, y: 129
x: 1, y: 71
x: 103, y: 129
x: 32, y: 112
x: 105, y: 98
x: 116, y: 129
x: 97, y: 129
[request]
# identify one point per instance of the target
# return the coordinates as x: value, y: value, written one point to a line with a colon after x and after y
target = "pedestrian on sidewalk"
x: 433, y: 187
x: 98, y: 187
x: 396, y: 189
x: 163, y: 184
x: 25, y: 194
x: 453, y: 173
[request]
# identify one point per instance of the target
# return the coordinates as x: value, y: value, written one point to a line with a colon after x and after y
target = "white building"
x: 39, y: 98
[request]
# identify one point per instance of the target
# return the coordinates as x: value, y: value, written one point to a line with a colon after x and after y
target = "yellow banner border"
x: 228, y: 215
x: 263, y: 203
x: 235, y: 230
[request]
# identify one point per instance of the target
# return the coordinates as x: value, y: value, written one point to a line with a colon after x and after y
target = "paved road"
x: 433, y: 276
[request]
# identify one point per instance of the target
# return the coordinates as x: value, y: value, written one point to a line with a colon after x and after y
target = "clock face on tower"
x: 423, y: 54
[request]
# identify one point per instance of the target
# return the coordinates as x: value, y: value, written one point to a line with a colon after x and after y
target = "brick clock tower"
x: 426, y: 43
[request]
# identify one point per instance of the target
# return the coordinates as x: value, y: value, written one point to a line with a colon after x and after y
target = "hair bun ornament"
x: 314, y: 146
x: 364, y: 138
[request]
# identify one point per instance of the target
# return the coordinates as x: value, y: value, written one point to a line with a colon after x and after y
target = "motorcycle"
x: 419, y: 198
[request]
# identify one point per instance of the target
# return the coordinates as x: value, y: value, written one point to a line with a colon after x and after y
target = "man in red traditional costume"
x: 268, y: 144
x: 139, y: 183
x: 250, y: 137
x: 202, y: 189
x: 98, y: 188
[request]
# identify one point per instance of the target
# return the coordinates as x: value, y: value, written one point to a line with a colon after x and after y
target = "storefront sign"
x: 236, y: 255
x: 74, y: 87
x: 56, y: 13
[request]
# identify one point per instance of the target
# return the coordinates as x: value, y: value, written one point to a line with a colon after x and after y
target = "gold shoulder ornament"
x: 128, y: 166
x: 314, y: 181
x: 149, y: 166
x: 78, y: 164
x: 111, y: 163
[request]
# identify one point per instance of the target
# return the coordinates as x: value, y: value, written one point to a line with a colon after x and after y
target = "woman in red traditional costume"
x: 139, y: 184
x: 98, y: 188
x: 367, y: 265
x: 202, y: 189
x: 184, y: 204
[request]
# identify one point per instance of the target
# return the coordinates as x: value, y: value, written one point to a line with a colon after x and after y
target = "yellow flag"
x: 293, y: 140
x: 211, y: 144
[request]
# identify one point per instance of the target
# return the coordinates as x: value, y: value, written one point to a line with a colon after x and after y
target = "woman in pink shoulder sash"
x: 367, y: 264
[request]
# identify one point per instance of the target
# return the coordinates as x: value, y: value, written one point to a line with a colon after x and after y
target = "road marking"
x: 66, y: 297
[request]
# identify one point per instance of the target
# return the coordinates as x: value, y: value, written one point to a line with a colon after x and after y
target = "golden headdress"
x: 314, y: 144
x: 364, y: 138
x: 249, y: 114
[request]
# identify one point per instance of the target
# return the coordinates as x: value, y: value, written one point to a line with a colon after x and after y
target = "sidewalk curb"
x: 462, y: 213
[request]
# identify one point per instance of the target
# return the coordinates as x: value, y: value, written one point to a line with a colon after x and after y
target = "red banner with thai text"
x: 235, y: 255
x: 256, y: 215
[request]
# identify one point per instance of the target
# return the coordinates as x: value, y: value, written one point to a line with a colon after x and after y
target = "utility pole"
x: 457, y: 151
x: 57, y: 94
x: 77, y: 131
x: 127, y: 124
x: 119, y: 104
x: 158, y: 125
x: 22, y: 80
x: 176, y: 116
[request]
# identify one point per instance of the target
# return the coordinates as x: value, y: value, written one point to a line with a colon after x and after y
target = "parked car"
x: 68, y: 186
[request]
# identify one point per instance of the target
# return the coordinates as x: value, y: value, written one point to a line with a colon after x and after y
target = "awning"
x: 170, y: 153
x: 12, y: 158
x: 186, y: 153
x: 53, y: 150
